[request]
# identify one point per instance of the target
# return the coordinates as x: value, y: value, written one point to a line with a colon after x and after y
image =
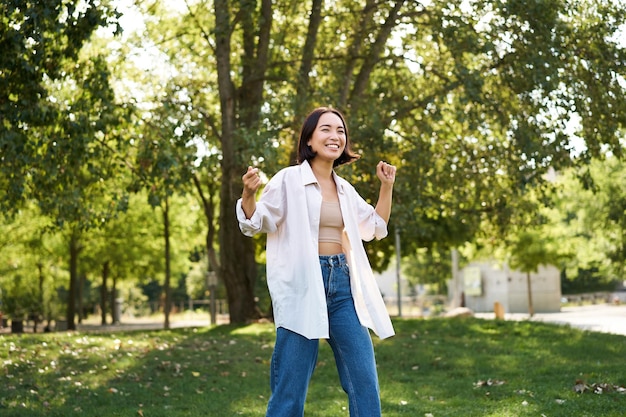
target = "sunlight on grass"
x: 443, y: 367
x: 255, y: 329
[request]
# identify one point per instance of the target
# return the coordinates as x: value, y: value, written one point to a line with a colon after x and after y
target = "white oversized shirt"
x: 288, y: 210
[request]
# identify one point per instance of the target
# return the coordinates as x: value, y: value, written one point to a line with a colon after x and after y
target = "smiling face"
x: 312, y: 130
x: 328, y: 140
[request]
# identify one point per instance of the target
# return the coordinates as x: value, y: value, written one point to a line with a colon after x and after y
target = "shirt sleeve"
x: 371, y: 225
x: 270, y: 209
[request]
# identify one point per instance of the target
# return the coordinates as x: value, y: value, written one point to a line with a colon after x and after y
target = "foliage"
x: 440, y: 367
x: 474, y: 101
x: 18, y: 299
x: 530, y: 249
x: 196, y: 283
x: 30, y: 272
x: 591, y: 219
x: 575, y: 224
x: 60, y: 119
x: 428, y: 266
x: 56, y: 105
x: 128, y: 243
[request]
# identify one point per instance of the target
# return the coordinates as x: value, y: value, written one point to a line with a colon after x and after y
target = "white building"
x: 484, y: 284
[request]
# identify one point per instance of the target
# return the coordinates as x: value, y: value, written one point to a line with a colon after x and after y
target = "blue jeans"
x: 295, y: 356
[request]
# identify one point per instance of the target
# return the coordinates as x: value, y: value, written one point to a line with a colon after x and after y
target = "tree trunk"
x: 213, y: 265
x: 238, y: 266
x: 167, y: 289
x: 40, y: 310
x: 208, y: 205
x: 531, y: 310
x: 355, y: 52
x: 115, y: 319
x: 71, y: 300
x: 103, y: 293
x: 80, y: 295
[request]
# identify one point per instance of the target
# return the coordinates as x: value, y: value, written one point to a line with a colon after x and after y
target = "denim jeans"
x: 294, y: 357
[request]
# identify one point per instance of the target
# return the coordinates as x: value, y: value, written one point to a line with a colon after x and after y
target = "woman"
x: 319, y: 277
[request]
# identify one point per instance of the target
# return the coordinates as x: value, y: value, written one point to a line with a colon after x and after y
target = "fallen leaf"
x: 597, y: 388
x: 488, y: 383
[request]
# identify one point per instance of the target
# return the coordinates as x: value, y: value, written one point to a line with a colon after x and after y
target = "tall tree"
x: 472, y: 100
x: 240, y: 107
x: 59, y: 113
x: 127, y: 248
x: 164, y: 166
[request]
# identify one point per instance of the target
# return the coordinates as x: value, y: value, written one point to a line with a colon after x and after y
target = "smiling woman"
x: 315, y: 223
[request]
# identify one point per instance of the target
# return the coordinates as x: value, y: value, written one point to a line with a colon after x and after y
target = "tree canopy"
x: 474, y: 101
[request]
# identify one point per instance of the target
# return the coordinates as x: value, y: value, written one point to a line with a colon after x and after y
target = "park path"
x: 605, y: 318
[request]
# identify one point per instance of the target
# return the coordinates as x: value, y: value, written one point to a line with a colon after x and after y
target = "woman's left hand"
x: 386, y: 173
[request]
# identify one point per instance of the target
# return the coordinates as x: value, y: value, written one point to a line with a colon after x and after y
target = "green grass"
x: 437, y: 367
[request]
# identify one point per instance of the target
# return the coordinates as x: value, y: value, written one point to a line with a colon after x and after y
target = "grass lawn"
x: 435, y: 367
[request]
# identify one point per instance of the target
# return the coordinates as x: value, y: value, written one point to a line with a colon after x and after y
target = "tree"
x: 609, y: 220
x: 41, y: 44
x: 29, y: 253
x: 165, y: 160
x: 127, y: 248
x: 472, y: 100
x: 531, y: 240
x: 430, y: 266
x: 528, y: 251
x: 589, y: 206
x: 60, y: 118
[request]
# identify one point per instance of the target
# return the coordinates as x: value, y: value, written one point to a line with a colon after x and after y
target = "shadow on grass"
x: 184, y: 372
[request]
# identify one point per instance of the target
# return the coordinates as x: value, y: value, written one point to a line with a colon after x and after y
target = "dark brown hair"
x: 305, y: 153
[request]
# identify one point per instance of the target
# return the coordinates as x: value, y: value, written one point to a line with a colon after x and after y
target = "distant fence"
x: 416, y: 306
x: 589, y: 298
x: 221, y: 306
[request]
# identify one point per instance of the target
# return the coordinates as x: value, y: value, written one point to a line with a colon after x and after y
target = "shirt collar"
x: 307, y: 173
x: 309, y: 178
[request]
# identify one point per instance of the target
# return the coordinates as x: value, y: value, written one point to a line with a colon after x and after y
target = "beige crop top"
x: 331, y: 222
